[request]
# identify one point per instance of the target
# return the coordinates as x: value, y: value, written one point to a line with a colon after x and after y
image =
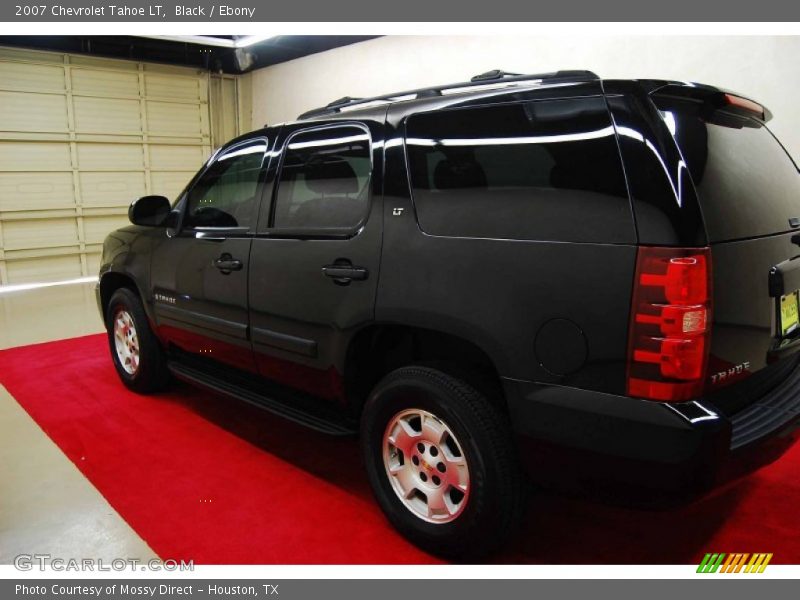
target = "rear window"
x: 747, y: 184
x: 546, y: 170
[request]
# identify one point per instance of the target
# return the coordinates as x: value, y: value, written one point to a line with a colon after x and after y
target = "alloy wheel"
x: 126, y: 341
x: 426, y: 465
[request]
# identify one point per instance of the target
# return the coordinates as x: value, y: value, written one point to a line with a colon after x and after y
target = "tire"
x: 471, y: 525
x: 149, y: 373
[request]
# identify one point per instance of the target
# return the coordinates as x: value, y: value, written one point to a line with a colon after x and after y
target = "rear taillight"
x: 670, y: 323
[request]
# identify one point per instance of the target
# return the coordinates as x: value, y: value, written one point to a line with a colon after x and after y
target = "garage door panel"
x: 80, y: 138
x: 173, y: 118
x: 107, y: 115
x: 110, y: 157
x: 34, y: 156
x: 51, y: 268
x: 33, y: 112
x: 30, y: 56
x: 173, y: 87
x: 36, y: 191
x: 107, y: 188
x: 99, y: 82
x: 178, y: 158
x: 97, y: 228
x: 170, y: 184
x: 93, y: 263
x: 31, y: 77
x: 81, y: 60
x: 39, y: 233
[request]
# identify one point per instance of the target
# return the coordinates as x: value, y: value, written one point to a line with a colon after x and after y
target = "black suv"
x: 593, y: 280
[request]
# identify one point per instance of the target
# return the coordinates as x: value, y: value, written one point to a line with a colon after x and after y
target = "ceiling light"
x: 249, y: 40
x: 209, y: 40
x: 203, y: 40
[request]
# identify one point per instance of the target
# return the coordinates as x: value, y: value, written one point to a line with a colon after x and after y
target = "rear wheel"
x: 135, y: 350
x: 441, y: 462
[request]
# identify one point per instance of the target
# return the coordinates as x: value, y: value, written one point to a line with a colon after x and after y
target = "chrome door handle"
x: 343, y: 273
x: 226, y: 264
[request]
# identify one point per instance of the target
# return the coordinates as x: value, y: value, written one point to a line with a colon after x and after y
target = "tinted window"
x: 546, y: 170
x: 324, y: 179
x: 748, y: 186
x: 226, y: 194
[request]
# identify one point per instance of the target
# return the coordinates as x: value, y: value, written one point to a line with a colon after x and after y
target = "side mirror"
x: 149, y: 211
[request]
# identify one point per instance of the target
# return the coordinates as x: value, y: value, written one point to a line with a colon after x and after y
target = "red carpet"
x: 210, y: 479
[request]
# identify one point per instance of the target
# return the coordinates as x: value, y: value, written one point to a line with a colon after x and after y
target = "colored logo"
x: 734, y: 563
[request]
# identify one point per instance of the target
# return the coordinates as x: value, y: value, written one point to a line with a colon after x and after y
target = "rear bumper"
x: 768, y: 417
x: 574, y: 438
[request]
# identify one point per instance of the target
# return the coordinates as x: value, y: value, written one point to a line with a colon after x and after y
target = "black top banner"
x: 407, y: 10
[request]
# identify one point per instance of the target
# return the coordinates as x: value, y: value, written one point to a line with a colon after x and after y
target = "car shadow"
x: 573, y: 529
x: 558, y: 528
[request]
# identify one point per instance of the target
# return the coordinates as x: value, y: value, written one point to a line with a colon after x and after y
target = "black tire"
x: 152, y: 374
x: 495, y: 499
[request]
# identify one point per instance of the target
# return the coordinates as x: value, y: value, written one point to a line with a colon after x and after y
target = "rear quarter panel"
x: 500, y: 293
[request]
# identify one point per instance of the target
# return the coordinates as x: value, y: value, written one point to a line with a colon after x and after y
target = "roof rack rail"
x: 483, y: 79
x: 342, y: 102
x: 495, y: 74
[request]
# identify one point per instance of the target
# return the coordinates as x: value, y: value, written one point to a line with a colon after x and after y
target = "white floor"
x: 46, y: 505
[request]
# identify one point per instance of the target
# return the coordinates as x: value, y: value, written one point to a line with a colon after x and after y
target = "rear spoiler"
x: 715, y: 99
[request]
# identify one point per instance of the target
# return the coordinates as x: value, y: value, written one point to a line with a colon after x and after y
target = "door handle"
x: 226, y: 263
x: 343, y: 273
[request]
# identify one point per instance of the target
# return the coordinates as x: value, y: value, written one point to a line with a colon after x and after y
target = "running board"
x: 284, y: 404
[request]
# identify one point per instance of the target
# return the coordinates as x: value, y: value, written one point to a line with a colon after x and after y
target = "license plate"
x: 789, y: 314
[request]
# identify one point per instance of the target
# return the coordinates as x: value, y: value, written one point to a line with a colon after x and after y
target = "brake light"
x: 670, y: 323
x: 745, y: 104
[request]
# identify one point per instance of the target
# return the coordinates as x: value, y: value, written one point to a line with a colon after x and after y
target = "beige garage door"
x: 80, y: 137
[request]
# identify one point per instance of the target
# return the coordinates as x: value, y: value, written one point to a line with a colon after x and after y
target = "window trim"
x: 318, y: 232
x: 210, y: 232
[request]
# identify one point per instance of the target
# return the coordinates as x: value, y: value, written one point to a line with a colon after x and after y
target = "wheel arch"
x: 380, y: 348
x: 110, y: 282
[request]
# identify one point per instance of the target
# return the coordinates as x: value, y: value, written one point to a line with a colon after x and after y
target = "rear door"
x: 748, y: 188
x: 314, y: 263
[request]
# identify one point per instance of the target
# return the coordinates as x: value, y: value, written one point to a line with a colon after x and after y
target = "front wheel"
x: 441, y: 462
x: 135, y: 350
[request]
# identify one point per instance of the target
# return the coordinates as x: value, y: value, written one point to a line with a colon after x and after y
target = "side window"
x: 324, y: 180
x: 226, y: 194
x: 543, y: 170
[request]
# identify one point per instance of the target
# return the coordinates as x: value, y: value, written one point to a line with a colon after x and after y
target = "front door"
x: 199, y: 276
x: 314, y: 263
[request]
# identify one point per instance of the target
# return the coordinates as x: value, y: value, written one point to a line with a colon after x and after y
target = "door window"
x: 226, y: 195
x: 324, y: 180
